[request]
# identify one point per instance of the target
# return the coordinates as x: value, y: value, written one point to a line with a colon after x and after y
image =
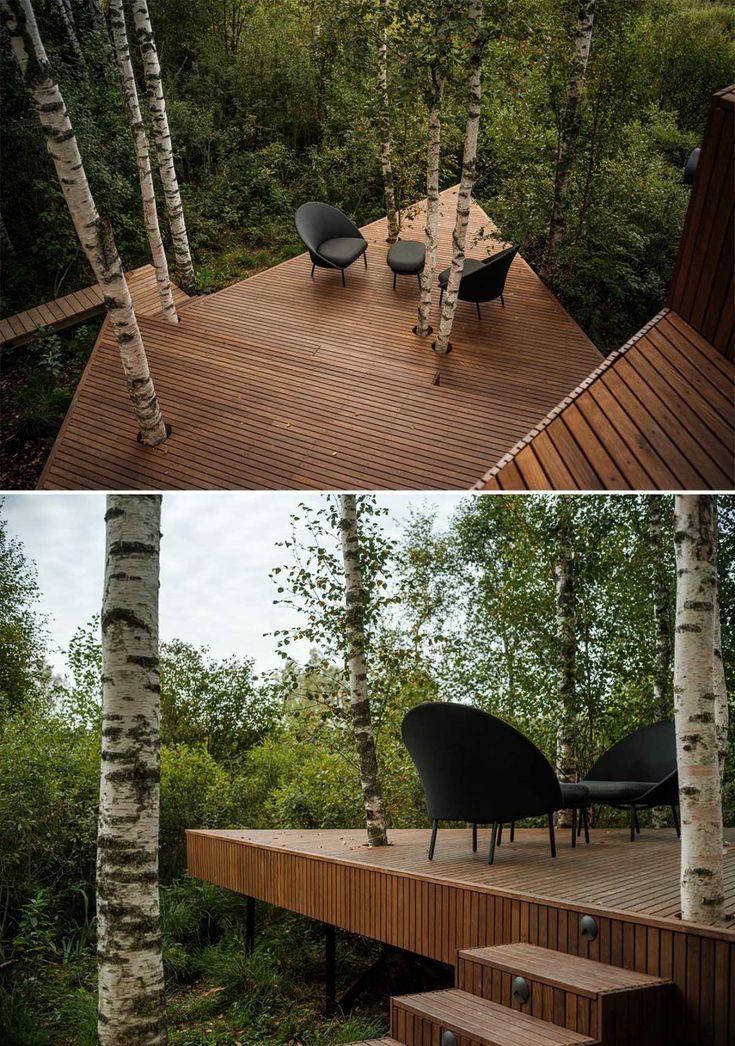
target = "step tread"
x: 583, y: 976
x: 387, y: 1041
x: 491, y: 1023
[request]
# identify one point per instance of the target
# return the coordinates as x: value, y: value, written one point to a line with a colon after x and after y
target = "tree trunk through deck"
x: 569, y: 134
x: 386, y: 159
x: 359, y: 696
x: 129, y: 958
x: 566, y: 634
x: 438, y: 76
x: 477, y: 38
x: 702, y: 892
x: 722, y: 712
x: 142, y: 156
x: 662, y: 625
x: 164, y: 148
x: 94, y: 232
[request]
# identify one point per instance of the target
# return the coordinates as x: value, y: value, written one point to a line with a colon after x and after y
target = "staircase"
x: 523, y: 995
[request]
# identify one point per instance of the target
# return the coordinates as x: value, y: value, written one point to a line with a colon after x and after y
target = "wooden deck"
x: 281, y: 381
x: 80, y: 306
x: 395, y: 895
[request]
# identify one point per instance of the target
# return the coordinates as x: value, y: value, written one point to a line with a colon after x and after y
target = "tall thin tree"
x: 386, y: 151
x: 357, y: 665
x: 164, y: 147
x: 142, y: 156
x: 477, y: 40
x: 722, y: 711
x: 67, y: 20
x: 566, y: 635
x: 95, y: 233
x: 437, y: 78
x: 700, y: 796
x: 129, y: 958
x: 661, y: 621
x: 569, y: 134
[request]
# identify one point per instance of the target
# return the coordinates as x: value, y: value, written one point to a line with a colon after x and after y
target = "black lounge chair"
x: 638, y: 773
x: 476, y: 768
x: 482, y: 280
x: 331, y: 239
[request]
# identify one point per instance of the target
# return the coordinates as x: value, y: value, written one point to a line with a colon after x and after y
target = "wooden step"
x: 387, y: 1041
x: 616, y: 1006
x: 420, y: 1020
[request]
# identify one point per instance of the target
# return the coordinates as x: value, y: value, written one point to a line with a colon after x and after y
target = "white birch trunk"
x: 142, y: 156
x: 469, y: 170
x: 722, y: 711
x: 359, y: 696
x: 702, y: 894
x: 433, y: 158
x: 94, y: 232
x: 129, y: 960
x: 662, y: 626
x: 67, y: 19
x: 566, y: 634
x: 569, y: 133
x: 164, y: 148
x: 386, y: 159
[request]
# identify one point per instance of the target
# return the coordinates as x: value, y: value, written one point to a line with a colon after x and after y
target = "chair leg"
x: 343, y: 277
x: 574, y: 827
x: 432, y: 844
x: 474, y: 838
x: 586, y: 822
x: 500, y: 834
x: 364, y: 258
x: 441, y: 296
x: 418, y: 278
x: 552, y: 837
x: 632, y: 824
x: 512, y: 831
x: 637, y: 822
x: 477, y: 306
x: 394, y: 281
x: 502, y: 299
x: 312, y: 271
x: 675, y: 815
x: 493, y: 839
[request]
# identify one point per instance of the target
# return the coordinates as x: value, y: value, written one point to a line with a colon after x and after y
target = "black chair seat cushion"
x: 617, y: 791
x: 470, y: 265
x: 574, y: 794
x: 407, y: 256
x: 343, y: 250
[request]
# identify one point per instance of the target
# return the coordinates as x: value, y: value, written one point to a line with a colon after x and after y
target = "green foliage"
x: 23, y: 675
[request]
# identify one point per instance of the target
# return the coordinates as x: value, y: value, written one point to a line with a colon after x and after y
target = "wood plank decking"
x: 395, y: 895
x: 281, y: 381
x: 82, y: 305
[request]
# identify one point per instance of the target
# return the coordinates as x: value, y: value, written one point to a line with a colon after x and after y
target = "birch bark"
x: 702, y: 894
x: 359, y: 695
x: 164, y: 148
x: 476, y: 37
x: 67, y: 19
x: 662, y: 625
x: 722, y: 712
x: 129, y: 959
x: 386, y: 158
x: 438, y: 77
x: 142, y: 156
x: 94, y: 232
x: 569, y: 134
x: 566, y: 633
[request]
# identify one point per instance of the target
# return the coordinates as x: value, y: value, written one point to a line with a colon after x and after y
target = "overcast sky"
x: 216, y: 554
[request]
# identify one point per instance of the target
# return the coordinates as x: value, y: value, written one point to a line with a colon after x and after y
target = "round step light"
x: 588, y: 927
x: 521, y: 990
x: 449, y: 1038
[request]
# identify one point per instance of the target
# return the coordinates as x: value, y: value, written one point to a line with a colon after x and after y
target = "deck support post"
x: 432, y: 844
x: 330, y: 966
x: 250, y: 926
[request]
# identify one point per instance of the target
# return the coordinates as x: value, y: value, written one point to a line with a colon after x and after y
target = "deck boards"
x: 280, y: 381
x: 82, y: 305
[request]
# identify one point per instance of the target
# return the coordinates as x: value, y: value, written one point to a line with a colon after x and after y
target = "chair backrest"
x: 317, y: 222
x: 488, y: 283
x: 475, y: 767
x: 648, y: 754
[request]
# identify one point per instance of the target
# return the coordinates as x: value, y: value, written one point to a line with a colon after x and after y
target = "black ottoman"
x: 406, y: 258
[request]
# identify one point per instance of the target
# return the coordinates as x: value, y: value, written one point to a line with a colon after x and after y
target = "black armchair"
x: 476, y: 768
x: 331, y: 239
x: 482, y: 280
x: 637, y: 773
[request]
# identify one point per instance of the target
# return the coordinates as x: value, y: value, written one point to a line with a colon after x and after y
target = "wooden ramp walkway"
x: 281, y: 381
x: 80, y: 306
x: 456, y: 902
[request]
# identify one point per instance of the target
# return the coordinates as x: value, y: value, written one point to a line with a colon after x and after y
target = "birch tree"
x: 142, y: 156
x: 662, y: 624
x: 67, y: 19
x: 477, y: 40
x: 702, y: 891
x: 357, y: 665
x: 722, y: 712
x: 94, y: 232
x: 129, y: 958
x: 569, y: 133
x: 566, y: 634
x: 386, y: 159
x: 437, y: 75
x: 164, y: 147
